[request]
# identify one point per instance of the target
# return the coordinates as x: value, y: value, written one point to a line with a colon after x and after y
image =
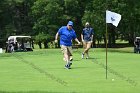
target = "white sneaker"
x: 71, y: 59
x: 87, y: 57
x: 82, y: 56
x: 70, y: 63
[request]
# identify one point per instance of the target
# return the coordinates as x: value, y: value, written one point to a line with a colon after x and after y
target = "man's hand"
x: 79, y: 43
x: 56, y: 41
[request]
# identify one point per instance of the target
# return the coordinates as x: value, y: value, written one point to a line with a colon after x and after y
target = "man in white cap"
x: 67, y: 34
x: 87, y: 39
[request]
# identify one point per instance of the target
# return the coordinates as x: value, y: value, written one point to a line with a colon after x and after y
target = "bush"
x: 52, y: 44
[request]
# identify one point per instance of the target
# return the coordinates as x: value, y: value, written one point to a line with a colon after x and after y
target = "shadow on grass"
x: 6, y: 55
x: 79, y: 67
x: 91, y: 58
x: 119, y: 50
x: 76, y: 60
x: 32, y: 92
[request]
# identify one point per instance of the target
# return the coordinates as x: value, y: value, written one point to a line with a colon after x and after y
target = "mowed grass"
x: 42, y: 71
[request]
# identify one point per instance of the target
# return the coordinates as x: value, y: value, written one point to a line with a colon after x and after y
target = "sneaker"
x: 67, y: 66
x: 70, y: 64
x: 82, y: 55
x: 87, y: 57
x: 71, y: 59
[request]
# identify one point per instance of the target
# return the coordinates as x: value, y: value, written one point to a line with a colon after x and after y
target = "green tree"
x: 95, y: 14
x: 46, y: 14
x: 32, y: 17
x: 130, y: 27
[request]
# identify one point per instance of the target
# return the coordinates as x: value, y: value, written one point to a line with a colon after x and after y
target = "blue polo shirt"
x: 66, y: 36
x: 87, y: 33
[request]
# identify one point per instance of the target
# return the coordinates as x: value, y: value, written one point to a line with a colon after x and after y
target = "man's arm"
x: 56, y: 37
x: 77, y: 41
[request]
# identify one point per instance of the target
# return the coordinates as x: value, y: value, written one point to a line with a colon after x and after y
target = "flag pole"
x: 113, y: 18
x: 106, y: 38
x: 106, y: 49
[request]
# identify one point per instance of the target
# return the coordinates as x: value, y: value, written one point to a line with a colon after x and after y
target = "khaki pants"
x: 66, y: 50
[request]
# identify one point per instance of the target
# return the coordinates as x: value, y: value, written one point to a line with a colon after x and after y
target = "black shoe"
x: 67, y: 67
x: 70, y: 64
x: 87, y: 57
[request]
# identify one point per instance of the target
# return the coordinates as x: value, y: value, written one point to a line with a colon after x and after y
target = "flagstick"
x: 106, y: 39
x: 113, y: 18
x: 106, y: 50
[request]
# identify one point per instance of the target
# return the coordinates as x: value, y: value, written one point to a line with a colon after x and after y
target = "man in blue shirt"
x: 87, y: 39
x: 67, y: 34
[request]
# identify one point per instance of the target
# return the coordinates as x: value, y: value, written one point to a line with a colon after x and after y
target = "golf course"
x: 42, y: 71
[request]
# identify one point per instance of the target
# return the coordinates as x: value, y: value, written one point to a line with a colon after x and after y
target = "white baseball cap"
x: 87, y: 23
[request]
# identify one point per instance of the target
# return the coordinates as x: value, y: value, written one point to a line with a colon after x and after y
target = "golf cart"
x: 137, y: 45
x: 19, y: 43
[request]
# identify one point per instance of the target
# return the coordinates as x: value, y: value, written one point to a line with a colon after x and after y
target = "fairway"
x: 42, y: 71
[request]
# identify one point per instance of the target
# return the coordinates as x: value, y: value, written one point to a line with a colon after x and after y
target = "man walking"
x: 67, y: 34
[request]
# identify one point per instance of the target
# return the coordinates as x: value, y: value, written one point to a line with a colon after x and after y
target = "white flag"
x: 113, y: 18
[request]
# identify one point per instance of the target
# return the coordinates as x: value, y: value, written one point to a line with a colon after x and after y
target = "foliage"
x: 45, y: 18
x: 31, y: 17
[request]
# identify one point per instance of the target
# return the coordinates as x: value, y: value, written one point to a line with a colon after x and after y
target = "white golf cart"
x: 137, y: 45
x: 19, y: 43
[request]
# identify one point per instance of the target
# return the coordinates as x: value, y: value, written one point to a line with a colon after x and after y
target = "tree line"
x: 42, y: 18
